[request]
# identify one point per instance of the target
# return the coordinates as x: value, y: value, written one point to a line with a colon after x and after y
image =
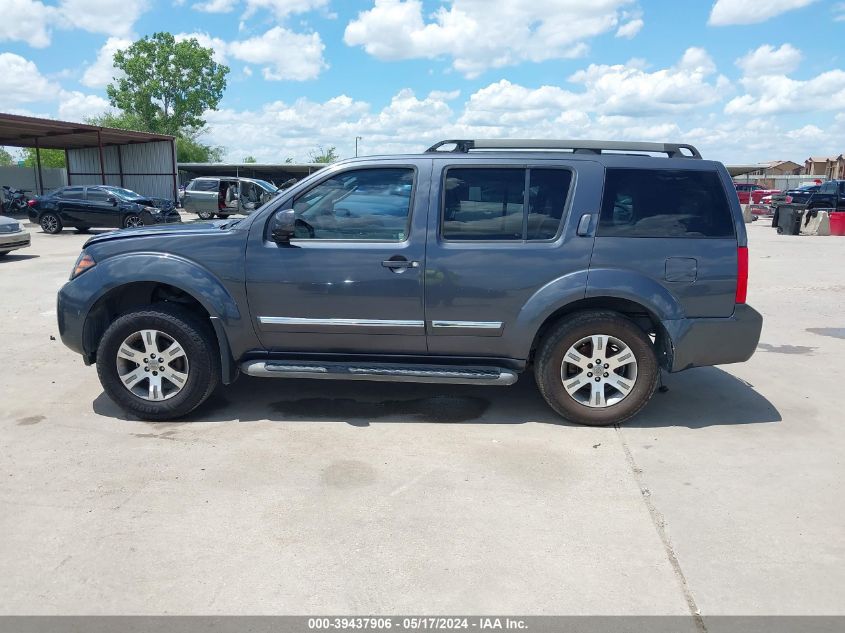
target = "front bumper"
x: 160, y: 218
x: 13, y: 241
x: 716, y: 341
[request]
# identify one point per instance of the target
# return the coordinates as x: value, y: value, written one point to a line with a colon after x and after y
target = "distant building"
x: 778, y: 168
x: 828, y: 167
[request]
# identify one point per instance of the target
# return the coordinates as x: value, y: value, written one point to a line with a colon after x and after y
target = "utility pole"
x: 357, y: 138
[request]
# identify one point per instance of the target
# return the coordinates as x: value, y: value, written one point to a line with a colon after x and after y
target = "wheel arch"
x: 137, y: 293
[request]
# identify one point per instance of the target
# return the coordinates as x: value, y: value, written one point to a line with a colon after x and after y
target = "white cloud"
x: 729, y: 12
x: 216, y: 44
x: 19, y: 71
x: 776, y: 94
x: 630, y: 29
x: 216, y: 6
x: 768, y: 60
x: 839, y: 12
x: 26, y: 21
x: 482, y: 34
x: 77, y: 106
x: 283, y: 8
x: 102, y: 71
x: 112, y: 17
x: 284, y: 54
x: 631, y: 90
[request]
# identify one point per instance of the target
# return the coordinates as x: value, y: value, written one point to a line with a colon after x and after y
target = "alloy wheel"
x: 599, y: 371
x: 152, y: 365
x: 132, y: 221
x: 49, y: 224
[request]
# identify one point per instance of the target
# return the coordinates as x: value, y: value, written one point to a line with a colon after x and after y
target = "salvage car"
x: 86, y: 207
x: 585, y: 262
x: 12, y: 236
x: 224, y: 196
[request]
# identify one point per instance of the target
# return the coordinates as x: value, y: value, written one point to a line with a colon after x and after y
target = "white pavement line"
x: 660, y: 527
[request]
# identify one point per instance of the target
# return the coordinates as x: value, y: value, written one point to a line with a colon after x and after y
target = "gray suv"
x: 593, y: 264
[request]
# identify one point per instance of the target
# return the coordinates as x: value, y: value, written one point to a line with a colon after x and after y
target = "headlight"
x: 83, y: 263
x: 153, y: 210
x: 10, y: 228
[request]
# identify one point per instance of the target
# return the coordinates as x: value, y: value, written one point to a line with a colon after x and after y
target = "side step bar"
x: 388, y: 372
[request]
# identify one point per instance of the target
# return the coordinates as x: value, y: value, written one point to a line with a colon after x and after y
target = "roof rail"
x: 672, y: 150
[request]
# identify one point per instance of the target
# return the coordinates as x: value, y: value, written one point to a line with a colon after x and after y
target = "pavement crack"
x: 660, y: 527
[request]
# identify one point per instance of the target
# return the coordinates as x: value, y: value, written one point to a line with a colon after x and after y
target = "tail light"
x: 741, y: 274
x: 30, y: 203
x: 788, y: 199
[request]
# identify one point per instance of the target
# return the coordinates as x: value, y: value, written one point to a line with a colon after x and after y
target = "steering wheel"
x: 299, y: 222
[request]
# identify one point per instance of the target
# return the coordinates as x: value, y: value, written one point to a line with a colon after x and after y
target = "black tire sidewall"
x: 126, y: 224
x: 59, y: 225
x: 560, y: 339
x: 203, y: 363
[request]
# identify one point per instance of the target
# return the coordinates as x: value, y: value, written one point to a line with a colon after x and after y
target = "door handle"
x: 584, y: 225
x: 399, y: 264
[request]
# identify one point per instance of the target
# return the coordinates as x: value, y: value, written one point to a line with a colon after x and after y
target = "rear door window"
x: 71, y: 193
x: 202, y: 185
x: 510, y: 204
x: 664, y: 203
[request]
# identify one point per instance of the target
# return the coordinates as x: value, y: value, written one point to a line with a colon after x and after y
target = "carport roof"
x: 22, y: 131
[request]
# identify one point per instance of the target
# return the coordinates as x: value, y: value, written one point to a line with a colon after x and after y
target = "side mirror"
x: 283, y: 226
x: 113, y: 201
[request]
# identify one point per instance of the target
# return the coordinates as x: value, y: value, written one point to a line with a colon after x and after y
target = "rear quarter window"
x: 664, y: 203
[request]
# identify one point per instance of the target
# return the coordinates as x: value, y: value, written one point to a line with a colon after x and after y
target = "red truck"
x: 751, y: 193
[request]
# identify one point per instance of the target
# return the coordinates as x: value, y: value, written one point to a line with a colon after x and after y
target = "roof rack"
x: 672, y: 150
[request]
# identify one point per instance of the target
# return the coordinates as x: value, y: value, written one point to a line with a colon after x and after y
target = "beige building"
x: 778, y: 168
x: 828, y: 167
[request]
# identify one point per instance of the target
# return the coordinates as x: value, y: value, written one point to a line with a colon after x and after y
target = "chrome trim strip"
x: 471, y: 325
x: 271, y: 320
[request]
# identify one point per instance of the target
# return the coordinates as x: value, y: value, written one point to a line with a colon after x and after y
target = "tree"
x: 6, y: 159
x: 120, y: 120
x: 321, y: 155
x: 190, y: 150
x: 250, y: 159
x: 49, y: 157
x: 167, y: 85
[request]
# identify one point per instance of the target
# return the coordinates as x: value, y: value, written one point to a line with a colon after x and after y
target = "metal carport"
x: 94, y: 155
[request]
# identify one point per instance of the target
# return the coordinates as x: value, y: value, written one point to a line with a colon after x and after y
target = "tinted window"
x: 547, y: 191
x: 71, y: 193
x: 362, y: 204
x: 483, y: 204
x: 97, y: 195
x: 489, y: 204
x: 664, y: 203
x: 202, y: 185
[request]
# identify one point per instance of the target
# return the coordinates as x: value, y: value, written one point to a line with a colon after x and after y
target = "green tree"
x: 120, y: 120
x: 167, y: 85
x: 250, y: 159
x: 190, y: 150
x: 321, y: 155
x: 49, y: 157
x: 6, y: 158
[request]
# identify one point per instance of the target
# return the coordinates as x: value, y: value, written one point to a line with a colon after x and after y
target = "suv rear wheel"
x: 158, y: 362
x: 596, y: 368
x: 205, y: 215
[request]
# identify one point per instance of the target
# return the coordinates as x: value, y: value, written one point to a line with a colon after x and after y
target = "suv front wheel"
x: 596, y: 368
x: 159, y: 362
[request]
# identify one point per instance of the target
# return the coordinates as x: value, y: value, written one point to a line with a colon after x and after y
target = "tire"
x: 223, y: 216
x: 83, y: 229
x: 205, y: 215
x: 132, y: 220
x: 50, y: 223
x: 190, y: 346
x: 619, y: 398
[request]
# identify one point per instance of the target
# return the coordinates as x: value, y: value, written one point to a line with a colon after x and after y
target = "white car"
x: 12, y: 236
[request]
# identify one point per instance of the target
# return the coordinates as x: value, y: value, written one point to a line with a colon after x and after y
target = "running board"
x: 388, y: 372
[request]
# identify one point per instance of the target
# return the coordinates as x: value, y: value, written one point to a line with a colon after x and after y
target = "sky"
x: 744, y: 80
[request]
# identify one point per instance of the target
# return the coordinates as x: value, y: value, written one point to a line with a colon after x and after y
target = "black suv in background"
x: 591, y: 263
x: 85, y: 207
x: 830, y: 195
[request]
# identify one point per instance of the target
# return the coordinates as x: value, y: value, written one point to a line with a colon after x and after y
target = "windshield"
x: 265, y: 185
x: 126, y: 194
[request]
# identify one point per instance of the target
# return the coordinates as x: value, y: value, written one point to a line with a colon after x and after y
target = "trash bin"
x: 837, y: 223
x: 789, y: 218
